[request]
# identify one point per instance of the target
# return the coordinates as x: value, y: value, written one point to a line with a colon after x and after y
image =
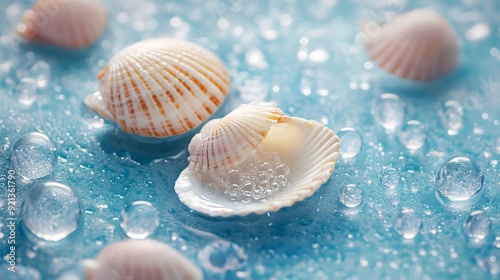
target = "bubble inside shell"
x: 309, y: 149
x: 140, y: 259
x: 419, y: 45
x: 71, y: 24
x: 160, y: 87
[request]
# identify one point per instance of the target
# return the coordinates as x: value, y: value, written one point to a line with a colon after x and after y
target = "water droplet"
x: 408, y: 224
x: 221, y: 256
x: 351, y: 143
x: 389, y: 111
x: 139, y: 219
x: 350, y: 196
x: 32, y: 156
x: 26, y: 91
x: 40, y: 72
x: 452, y: 117
x: 412, y: 135
x: 459, y: 178
x: 51, y: 211
x: 478, y: 225
x: 390, y: 178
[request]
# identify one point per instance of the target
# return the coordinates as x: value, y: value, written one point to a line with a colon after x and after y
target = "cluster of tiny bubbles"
x: 390, y: 178
x: 459, y: 179
x: 451, y: 115
x: 389, y: 111
x: 33, y: 156
x: 259, y: 177
x: 408, y: 224
x: 412, y: 135
x: 51, y: 211
x: 351, y: 142
x: 21, y: 273
x: 350, y: 196
x: 478, y: 225
x: 139, y: 219
x: 221, y: 256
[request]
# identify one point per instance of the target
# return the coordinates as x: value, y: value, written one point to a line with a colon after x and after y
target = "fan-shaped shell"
x: 419, y: 45
x: 312, y: 154
x: 235, y: 137
x: 160, y: 87
x: 141, y: 259
x: 66, y: 23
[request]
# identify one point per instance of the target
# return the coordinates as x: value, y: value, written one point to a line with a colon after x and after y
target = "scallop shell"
x: 66, y: 23
x: 140, y: 259
x: 307, y: 147
x: 160, y: 87
x: 234, y: 137
x: 419, y: 45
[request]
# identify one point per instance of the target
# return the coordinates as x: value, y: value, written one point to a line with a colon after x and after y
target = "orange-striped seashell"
x: 140, y: 259
x: 235, y: 137
x: 419, y: 45
x: 71, y: 24
x: 160, y: 87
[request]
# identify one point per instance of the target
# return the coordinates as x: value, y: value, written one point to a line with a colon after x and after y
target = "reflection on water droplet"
x: 459, y: 179
x: 221, y: 256
x: 51, y: 211
x: 389, y: 111
x: 26, y: 91
x: 139, y: 219
x: 478, y: 225
x: 412, y: 135
x: 390, y: 178
x: 350, y: 196
x: 351, y: 142
x: 408, y: 224
x: 452, y: 117
x: 40, y: 72
x: 32, y: 156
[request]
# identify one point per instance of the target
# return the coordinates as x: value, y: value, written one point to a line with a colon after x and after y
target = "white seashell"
x: 307, y: 147
x: 140, y: 259
x: 66, y: 23
x: 234, y: 137
x: 419, y: 45
x: 160, y: 87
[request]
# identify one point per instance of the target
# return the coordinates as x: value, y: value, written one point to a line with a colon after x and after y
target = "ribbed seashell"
x: 234, y: 137
x: 160, y: 87
x: 141, y: 260
x: 419, y: 45
x: 65, y: 23
x: 309, y: 148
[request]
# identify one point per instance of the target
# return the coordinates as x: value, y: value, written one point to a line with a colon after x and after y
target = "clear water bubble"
x: 408, y: 224
x: 222, y: 256
x: 390, y: 178
x: 451, y: 115
x: 351, y: 142
x: 51, y: 211
x: 26, y: 92
x: 21, y: 273
x: 389, y: 111
x: 478, y: 225
x: 412, y: 135
x: 139, y: 219
x: 350, y: 196
x: 40, y: 72
x: 33, y: 156
x: 459, y: 179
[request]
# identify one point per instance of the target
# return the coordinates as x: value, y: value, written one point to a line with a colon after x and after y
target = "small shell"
x: 307, y: 147
x: 234, y: 137
x: 160, y: 87
x: 140, y: 259
x: 419, y: 45
x: 66, y: 23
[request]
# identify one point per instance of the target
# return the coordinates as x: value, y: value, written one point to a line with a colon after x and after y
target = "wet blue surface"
x: 306, y: 56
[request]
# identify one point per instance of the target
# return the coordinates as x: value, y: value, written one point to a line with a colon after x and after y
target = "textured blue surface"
x: 260, y: 42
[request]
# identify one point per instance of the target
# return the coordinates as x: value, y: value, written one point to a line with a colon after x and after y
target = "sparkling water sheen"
x: 459, y: 178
